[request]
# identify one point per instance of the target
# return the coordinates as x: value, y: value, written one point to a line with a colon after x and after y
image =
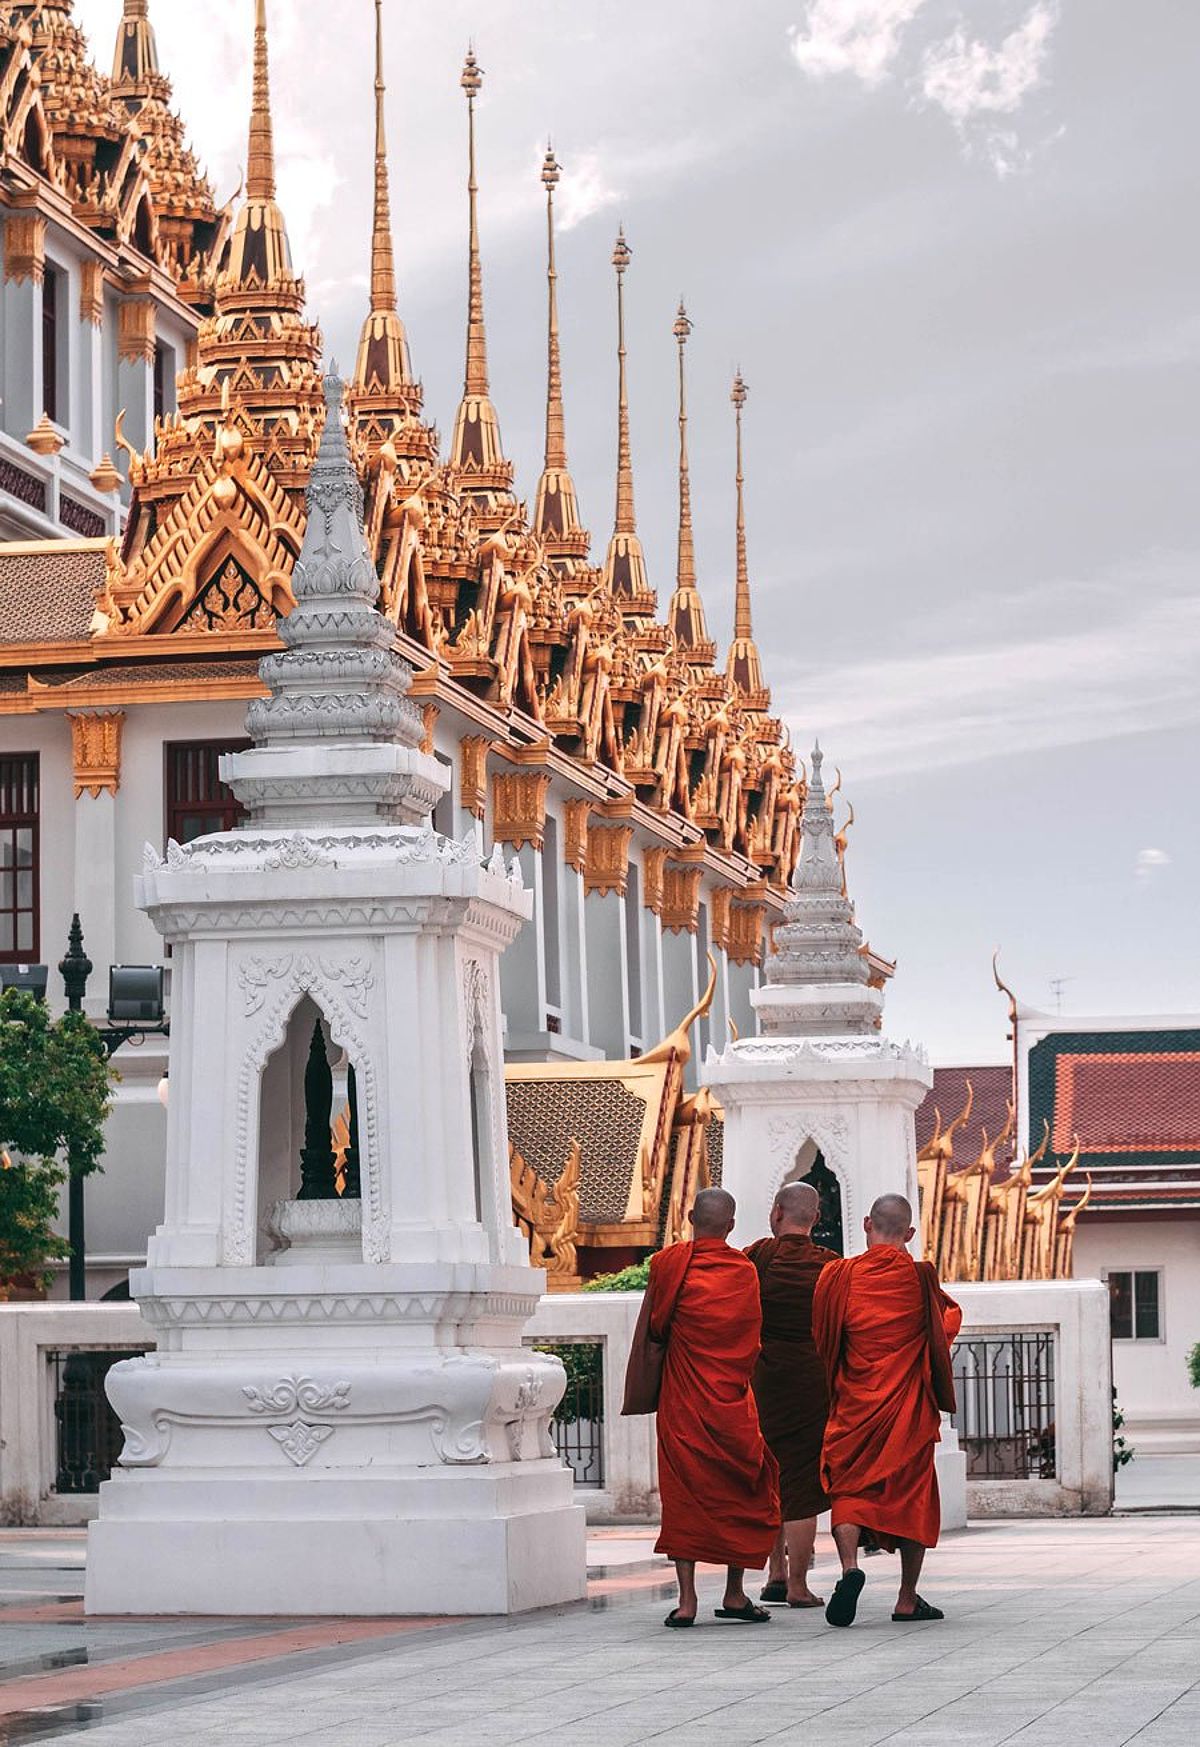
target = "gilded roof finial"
x: 686, y: 615
x: 685, y: 571
x: 260, y: 159
x: 556, y: 517
x: 556, y: 439
x: 136, y: 57
x: 626, y: 520
x: 383, y: 262
x: 476, y: 381
x: 744, y: 667
x: 382, y: 370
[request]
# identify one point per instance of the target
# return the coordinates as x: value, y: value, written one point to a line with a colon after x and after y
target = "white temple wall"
x: 1162, y: 1410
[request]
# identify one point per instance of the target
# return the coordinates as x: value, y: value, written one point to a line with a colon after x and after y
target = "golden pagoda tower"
x: 625, y: 562
x: 383, y: 399
x: 556, y: 517
x: 744, y: 668
x: 685, y: 615
x: 476, y: 455
x: 183, y: 198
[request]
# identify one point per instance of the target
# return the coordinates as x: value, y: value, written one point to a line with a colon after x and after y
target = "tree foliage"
x: 632, y: 1279
x: 1193, y: 1365
x: 55, y: 1092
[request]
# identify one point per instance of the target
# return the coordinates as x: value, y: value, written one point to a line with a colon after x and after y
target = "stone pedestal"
x: 341, y: 1416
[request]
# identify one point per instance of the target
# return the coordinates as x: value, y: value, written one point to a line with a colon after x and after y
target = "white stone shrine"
x: 821, y: 1078
x: 340, y: 1417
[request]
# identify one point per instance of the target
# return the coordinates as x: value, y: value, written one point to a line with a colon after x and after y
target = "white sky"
x: 953, y: 248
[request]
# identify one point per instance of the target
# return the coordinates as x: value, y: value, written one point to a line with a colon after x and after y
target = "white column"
x: 95, y: 889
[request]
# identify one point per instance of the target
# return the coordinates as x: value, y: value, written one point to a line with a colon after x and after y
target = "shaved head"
x: 713, y: 1213
x: 797, y: 1208
x: 890, y: 1219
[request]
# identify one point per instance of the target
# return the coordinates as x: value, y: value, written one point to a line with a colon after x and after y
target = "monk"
x: 883, y: 1327
x: 789, y: 1385
x: 717, y: 1480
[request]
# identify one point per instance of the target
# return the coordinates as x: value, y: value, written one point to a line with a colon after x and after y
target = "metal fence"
x: 578, y: 1425
x: 1006, y: 1412
x: 87, y: 1432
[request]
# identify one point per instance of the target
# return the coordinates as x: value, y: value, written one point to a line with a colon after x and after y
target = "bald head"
x: 713, y: 1213
x: 889, y: 1221
x: 797, y: 1208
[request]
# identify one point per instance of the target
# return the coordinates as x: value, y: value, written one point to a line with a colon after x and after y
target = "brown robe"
x: 789, y: 1380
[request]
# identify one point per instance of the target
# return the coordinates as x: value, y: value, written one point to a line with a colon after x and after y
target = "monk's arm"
x: 952, y: 1316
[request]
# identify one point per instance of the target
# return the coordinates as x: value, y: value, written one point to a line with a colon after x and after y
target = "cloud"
x: 1148, y: 863
x: 862, y: 37
x: 583, y: 190
x: 1126, y: 675
x: 966, y: 77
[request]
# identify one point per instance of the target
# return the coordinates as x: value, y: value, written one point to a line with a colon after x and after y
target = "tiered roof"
x: 506, y: 618
x: 113, y: 147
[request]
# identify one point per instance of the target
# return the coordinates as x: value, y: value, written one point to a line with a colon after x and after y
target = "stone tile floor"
x: 1059, y: 1634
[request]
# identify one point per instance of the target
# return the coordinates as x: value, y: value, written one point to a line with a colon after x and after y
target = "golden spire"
x: 260, y: 158
x: 626, y: 520
x: 625, y: 564
x: 744, y: 668
x: 136, y: 59
x: 686, y: 615
x: 476, y: 379
x: 475, y: 451
x: 382, y: 371
x: 383, y: 262
x: 556, y: 517
x: 556, y: 437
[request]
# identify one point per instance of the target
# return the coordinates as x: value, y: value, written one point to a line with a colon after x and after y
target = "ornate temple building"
x: 652, y: 796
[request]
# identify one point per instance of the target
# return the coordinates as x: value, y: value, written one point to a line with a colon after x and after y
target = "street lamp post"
x: 75, y: 968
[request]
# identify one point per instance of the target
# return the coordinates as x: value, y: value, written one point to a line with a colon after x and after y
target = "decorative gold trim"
x: 136, y: 336
x: 681, y: 899
x: 91, y: 293
x: 24, y: 247
x: 96, y: 750
x: 654, y: 862
x: 44, y: 439
x: 473, y: 752
x: 607, y: 866
x: 519, y: 807
x: 429, y: 716
x: 575, y: 846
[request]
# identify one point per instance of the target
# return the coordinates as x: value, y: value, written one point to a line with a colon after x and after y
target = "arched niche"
x: 307, y: 1132
x: 810, y: 1167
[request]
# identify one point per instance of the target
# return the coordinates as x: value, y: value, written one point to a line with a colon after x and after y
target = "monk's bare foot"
x: 805, y: 1598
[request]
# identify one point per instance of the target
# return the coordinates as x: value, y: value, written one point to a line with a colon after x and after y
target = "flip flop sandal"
x: 923, y: 1611
x: 750, y: 1615
x: 843, y: 1603
x: 676, y: 1620
x: 776, y: 1591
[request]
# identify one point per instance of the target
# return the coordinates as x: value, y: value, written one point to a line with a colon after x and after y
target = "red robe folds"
x: 883, y: 1326
x: 718, y: 1482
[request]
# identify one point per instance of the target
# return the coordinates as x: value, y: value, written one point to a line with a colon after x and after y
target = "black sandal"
x: 750, y: 1615
x: 775, y: 1591
x: 843, y: 1603
x: 675, y: 1619
x: 924, y: 1610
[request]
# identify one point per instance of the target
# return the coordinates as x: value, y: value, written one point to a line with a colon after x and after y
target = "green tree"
x: 55, y: 1092
x: 635, y: 1278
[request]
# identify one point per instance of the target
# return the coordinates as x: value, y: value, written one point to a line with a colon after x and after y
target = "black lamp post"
x: 75, y: 968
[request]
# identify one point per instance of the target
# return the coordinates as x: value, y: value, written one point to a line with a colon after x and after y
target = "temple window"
x: 53, y: 383
x: 164, y: 380
x: 633, y: 951
x: 197, y: 801
x: 551, y: 923
x: 19, y: 859
x: 1134, y: 1313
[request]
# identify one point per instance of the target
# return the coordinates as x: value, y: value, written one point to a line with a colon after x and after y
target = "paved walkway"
x: 1058, y: 1634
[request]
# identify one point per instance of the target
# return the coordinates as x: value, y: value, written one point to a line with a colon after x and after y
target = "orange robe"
x: 789, y: 1379
x: 884, y: 1333
x: 718, y: 1482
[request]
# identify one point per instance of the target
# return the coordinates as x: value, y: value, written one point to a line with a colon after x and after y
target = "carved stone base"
x: 491, y: 1540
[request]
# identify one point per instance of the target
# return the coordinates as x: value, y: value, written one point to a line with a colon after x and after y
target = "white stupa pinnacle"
x: 338, y: 739
x: 816, y: 975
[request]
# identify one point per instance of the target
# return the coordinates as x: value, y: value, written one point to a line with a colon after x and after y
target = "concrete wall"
x: 1075, y: 1312
x: 1162, y: 1410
